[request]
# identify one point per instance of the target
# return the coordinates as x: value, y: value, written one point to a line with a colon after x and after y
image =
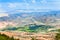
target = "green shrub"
x: 5, y: 37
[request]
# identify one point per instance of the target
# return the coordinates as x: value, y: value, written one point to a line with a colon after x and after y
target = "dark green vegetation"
x: 4, y: 37
x: 57, y: 37
x: 33, y: 38
x: 29, y: 28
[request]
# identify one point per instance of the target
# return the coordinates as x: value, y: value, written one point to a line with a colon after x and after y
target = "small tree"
x: 57, y: 37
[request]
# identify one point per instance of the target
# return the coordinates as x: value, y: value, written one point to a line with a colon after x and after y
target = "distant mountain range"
x: 32, y: 16
x: 26, y: 18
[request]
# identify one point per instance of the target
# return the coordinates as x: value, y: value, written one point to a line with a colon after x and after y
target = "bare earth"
x: 29, y: 36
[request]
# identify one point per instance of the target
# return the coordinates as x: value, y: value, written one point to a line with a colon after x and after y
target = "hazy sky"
x: 33, y: 5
